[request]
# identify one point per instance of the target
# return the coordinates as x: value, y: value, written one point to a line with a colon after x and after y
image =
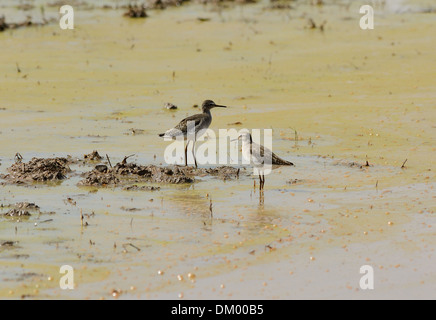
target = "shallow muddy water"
x: 351, y: 96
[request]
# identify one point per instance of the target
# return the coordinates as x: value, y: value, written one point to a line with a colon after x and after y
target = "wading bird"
x: 259, y: 156
x: 194, y: 123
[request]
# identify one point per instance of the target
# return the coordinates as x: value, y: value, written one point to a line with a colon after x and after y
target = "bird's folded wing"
x: 183, y: 125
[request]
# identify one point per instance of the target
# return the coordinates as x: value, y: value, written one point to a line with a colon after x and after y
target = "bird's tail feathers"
x: 280, y: 162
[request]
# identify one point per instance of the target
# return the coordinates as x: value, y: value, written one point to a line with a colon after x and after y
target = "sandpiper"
x: 198, y: 122
x: 260, y: 156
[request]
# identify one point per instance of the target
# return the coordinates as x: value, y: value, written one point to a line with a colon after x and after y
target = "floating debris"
x: 294, y: 181
x: 312, y: 25
x: 20, y: 209
x: 135, y: 132
x: 170, y: 106
x: 17, y: 213
x: 7, y: 243
x: 142, y: 188
x: 351, y: 164
x: 26, y: 23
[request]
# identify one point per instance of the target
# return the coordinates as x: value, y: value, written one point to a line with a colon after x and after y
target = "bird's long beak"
x: 219, y: 106
x: 235, y: 139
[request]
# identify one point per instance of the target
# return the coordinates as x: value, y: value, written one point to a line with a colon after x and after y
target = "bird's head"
x: 209, y: 104
x: 245, y: 137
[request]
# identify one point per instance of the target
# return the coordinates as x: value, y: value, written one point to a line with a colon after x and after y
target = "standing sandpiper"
x: 260, y: 156
x: 198, y: 122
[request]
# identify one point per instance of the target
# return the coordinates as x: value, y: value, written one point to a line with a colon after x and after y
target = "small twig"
x: 402, y: 166
x: 132, y: 245
x: 312, y: 24
x: 49, y: 220
x: 18, y: 67
x: 108, y: 160
x: 210, y: 209
x: 295, y: 137
x: 81, y: 218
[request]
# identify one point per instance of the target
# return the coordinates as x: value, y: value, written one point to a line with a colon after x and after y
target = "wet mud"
x: 355, y: 95
x: 123, y: 173
x: 38, y: 170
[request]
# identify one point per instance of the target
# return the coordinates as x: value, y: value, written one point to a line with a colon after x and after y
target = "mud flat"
x: 333, y: 99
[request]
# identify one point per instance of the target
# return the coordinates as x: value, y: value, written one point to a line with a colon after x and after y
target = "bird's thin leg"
x: 193, y: 154
x: 260, y: 182
x: 186, y: 154
x: 263, y: 180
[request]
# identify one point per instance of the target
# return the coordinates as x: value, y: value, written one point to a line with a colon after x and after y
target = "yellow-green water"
x: 350, y: 94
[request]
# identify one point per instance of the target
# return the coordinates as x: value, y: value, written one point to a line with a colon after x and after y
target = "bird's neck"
x: 207, y: 111
x: 246, y: 143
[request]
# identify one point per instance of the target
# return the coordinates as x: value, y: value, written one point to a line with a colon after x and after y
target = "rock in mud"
x: 38, y: 170
x: 102, y: 168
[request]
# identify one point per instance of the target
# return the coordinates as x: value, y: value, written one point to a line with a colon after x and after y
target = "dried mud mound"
x: 103, y: 175
x: 124, y: 172
x: 38, y: 170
